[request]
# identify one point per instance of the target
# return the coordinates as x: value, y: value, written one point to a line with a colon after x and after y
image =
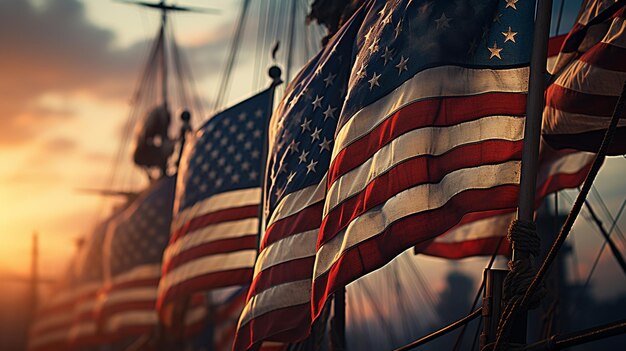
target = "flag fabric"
x: 588, y: 78
x: 133, y: 249
x: 49, y: 330
x: 226, y: 316
x: 214, y: 234
x: 484, y: 233
x: 278, y: 307
x: 83, y: 332
x: 431, y: 130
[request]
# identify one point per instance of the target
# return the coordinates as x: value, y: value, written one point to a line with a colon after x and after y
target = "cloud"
x: 54, y: 48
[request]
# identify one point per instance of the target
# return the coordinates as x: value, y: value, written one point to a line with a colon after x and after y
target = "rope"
x: 516, y: 303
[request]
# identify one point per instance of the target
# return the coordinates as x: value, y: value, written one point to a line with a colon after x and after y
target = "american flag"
x: 589, y: 74
x: 301, y: 138
x: 214, y: 233
x: 49, y: 331
x: 83, y: 332
x: 431, y: 130
x: 133, y: 249
x: 482, y: 233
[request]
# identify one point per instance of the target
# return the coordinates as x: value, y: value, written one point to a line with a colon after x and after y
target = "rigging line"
x: 510, y: 312
x: 232, y: 56
x: 492, y: 259
x: 290, y: 52
x: 558, y: 21
x: 607, y: 238
x: 373, y: 302
x: 607, y: 213
x: 443, y: 331
x: 604, y: 243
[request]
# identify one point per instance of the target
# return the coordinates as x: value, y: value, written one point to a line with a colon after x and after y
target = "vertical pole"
x: 530, y: 153
x: 185, y: 128
x: 492, y: 304
x: 339, y: 321
x: 34, y: 276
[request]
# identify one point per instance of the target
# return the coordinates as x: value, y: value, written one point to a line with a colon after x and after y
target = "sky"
x: 68, y: 71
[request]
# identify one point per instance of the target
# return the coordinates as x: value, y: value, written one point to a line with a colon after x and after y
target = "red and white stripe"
x: 484, y: 233
x: 83, y: 331
x: 49, y: 332
x: 408, y: 167
x: 226, y: 318
x: 213, y: 244
x: 278, y: 306
x: 128, y: 304
x: 589, y: 74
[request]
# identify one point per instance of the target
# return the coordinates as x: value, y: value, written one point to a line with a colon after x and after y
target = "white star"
x: 247, y: 145
x: 368, y: 34
x: 242, y: 116
x: 226, y: 122
x: 509, y: 35
x: 250, y: 125
x: 397, y: 30
x: 374, y: 46
x: 306, y: 125
x: 328, y: 81
x: 317, y: 102
x: 511, y: 3
x: 374, y: 81
x: 361, y: 73
x: 253, y: 175
x: 302, y: 157
x: 329, y: 113
x: 234, y: 178
x: 318, y: 70
x: 257, y: 133
x: 495, y: 51
x: 443, y: 22
x: 245, y: 165
x: 387, y: 55
x: 228, y: 169
x: 258, y: 113
x: 311, y: 167
x: 315, y: 135
x: 255, y: 154
x: 401, y: 66
x: 325, y: 145
x: 293, y: 146
x: 291, y: 176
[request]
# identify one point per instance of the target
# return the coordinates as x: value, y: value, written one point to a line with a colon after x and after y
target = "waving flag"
x: 482, y: 233
x: 215, y: 228
x: 301, y: 139
x: 83, y: 332
x: 589, y: 74
x: 431, y: 130
x: 133, y: 249
x: 49, y: 331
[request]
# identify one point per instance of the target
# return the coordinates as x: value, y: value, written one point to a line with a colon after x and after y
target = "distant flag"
x: 133, y: 249
x: 52, y: 320
x: 83, y: 332
x: 431, y: 130
x: 226, y: 316
x: 588, y: 78
x: 214, y: 234
x: 302, y: 129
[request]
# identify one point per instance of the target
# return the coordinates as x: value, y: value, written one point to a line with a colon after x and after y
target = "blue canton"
x: 401, y: 38
x: 227, y: 153
x: 142, y: 231
x: 303, y: 126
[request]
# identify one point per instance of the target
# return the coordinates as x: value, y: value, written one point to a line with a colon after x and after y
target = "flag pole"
x: 530, y: 153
